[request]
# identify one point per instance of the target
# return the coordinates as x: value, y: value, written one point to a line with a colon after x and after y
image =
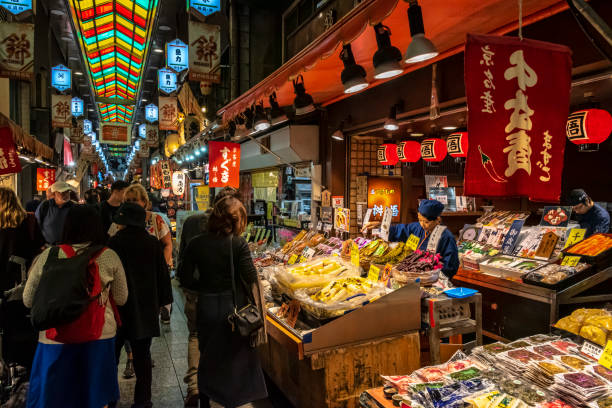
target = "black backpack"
x: 63, y: 291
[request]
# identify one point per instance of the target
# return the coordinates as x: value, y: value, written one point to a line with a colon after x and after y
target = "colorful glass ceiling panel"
x: 114, y: 37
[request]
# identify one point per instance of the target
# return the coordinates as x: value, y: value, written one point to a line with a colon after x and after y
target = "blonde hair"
x: 11, y: 211
x: 138, y: 192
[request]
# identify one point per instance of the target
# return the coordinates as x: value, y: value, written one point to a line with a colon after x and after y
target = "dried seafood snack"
x: 603, y: 372
x: 547, y: 351
x: 524, y: 355
x: 574, y: 362
x: 466, y: 374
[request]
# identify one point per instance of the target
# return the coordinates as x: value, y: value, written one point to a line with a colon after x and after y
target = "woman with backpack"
x: 74, y: 365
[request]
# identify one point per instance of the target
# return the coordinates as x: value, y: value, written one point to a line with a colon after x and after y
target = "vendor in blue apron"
x: 432, y: 236
x: 591, y: 216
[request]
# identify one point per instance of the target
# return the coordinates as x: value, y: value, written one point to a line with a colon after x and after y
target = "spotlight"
x: 303, y: 103
x: 449, y: 127
x: 203, y: 109
x: 353, y: 75
x: 158, y: 50
x: 203, y: 149
x: 420, y: 48
x: 261, y: 119
x: 196, y: 152
x: 391, y: 122
x: 338, y: 135
x: 386, y: 59
x: 79, y: 73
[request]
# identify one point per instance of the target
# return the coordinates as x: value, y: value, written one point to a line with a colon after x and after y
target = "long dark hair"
x: 228, y: 217
x: 83, y: 224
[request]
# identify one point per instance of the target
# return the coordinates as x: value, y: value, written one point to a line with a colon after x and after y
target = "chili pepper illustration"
x: 487, y: 163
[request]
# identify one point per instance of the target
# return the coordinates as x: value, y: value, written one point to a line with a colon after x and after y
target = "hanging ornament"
x: 433, y: 150
x: 387, y: 154
x: 409, y: 151
x: 588, y: 128
x: 457, y: 144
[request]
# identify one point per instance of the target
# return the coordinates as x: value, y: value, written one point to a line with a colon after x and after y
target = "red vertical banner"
x: 9, y: 159
x: 44, y: 178
x: 224, y: 164
x: 518, y: 98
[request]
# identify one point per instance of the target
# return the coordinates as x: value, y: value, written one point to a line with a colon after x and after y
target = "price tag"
x: 302, y: 259
x: 570, y: 261
x: 413, y: 242
x: 319, y: 226
x: 292, y: 259
x: 367, y: 217
x: 575, y: 235
x: 308, y: 252
x: 374, y: 273
x: 591, y: 350
x: 606, y: 357
x: 355, y: 254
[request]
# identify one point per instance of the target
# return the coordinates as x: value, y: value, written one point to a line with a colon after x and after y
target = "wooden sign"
x: 325, y: 198
x: 547, y: 245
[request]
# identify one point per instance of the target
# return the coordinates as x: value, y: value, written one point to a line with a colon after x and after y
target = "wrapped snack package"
x: 313, y: 275
x: 580, y: 315
x: 594, y: 334
x: 569, y: 324
x: 482, y: 400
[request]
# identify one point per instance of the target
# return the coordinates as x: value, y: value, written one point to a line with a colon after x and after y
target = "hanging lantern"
x: 433, y: 150
x: 457, y: 145
x: 178, y: 183
x: 409, y: 151
x: 387, y: 154
x: 588, y: 128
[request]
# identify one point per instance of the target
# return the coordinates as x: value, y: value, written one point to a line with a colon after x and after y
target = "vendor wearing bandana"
x: 591, y: 216
x: 429, y: 218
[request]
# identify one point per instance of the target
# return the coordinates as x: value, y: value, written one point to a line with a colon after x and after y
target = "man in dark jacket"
x: 149, y: 288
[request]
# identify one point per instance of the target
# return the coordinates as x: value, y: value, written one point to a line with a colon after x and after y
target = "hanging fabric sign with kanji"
x: 44, y: 178
x: 224, y: 164
x: 168, y: 113
x: 9, y: 159
x: 518, y: 98
x: 61, y: 115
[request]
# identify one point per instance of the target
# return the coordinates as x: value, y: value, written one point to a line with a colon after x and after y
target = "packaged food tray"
x: 599, y: 261
x: 565, y: 283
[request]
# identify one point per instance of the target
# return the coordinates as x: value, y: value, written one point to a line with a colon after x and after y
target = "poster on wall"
x: 202, y: 197
x: 224, y: 158
x: 342, y: 219
x: 116, y: 134
x: 44, y: 178
x: 384, y: 192
x: 9, y: 159
x: 61, y: 116
x: 17, y: 51
x: 205, y: 52
x: 168, y: 113
x: 517, y: 136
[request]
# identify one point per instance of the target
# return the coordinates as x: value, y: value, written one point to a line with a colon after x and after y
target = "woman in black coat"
x: 230, y: 371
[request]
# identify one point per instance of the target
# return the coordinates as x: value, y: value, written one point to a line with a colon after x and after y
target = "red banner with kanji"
x: 224, y: 164
x: 518, y: 100
x: 44, y: 178
x: 9, y: 159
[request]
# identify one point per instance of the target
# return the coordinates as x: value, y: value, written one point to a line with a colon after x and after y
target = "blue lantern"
x: 151, y: 113
x: 206, y: 7
x: 17, y: 6
x: 167, y: 80
x: 177, y: 55
x: 76, y: 107
x: 87, y: 126
x: 142, y: 131
x: 61, y: 78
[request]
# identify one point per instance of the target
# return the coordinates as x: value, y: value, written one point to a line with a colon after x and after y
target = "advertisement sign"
x: 337, y: 201
x: 202, y: 197
x: 166, y: 80
x: 168, y: 113
x: 205, y: 50
x: 342, y: 219
x: 177, y: 55
x: 44, y: 179
x: 556, y: 216
x: 9, y: 159
x: 151, y: 113
x: 61, y: 77
x: 16, y: 6
x: 76, y: 107
x: 16, y: 51
x: 224, y: 164
x: 517, y: 136
x: 205, y: 7
x: 87, y: 127
x: 117, y: 133
x: 384, y: 192
x: 61, y: 115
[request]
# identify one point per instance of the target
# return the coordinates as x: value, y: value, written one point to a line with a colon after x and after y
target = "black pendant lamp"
x: 353, y: 75
x: 420, y: 48
x: 303, y: 103
x: 387, y: 58
x: 261, y: 121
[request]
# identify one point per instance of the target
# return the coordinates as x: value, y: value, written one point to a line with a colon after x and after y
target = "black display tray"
x: 599, y: 262
x: 565, y: 283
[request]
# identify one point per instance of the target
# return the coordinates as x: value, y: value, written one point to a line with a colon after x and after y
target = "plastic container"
x: 460, y: 293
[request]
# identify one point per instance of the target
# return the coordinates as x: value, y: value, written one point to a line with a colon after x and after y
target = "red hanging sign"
x: 518, y: 99
x: 9, y: 159
x: 44, y: 179
x: 224, y: 164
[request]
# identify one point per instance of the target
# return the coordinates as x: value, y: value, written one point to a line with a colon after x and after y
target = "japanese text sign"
x: 167, y: 80
x: 166, y: 174
x: 511, y: 238
x: 61, y: 77
x: 178, y: 183
x: 76, y: 107
x: 117, y: 134
x: 575, y: 235
x: 606, y: 356
x: 142, y: 130
x: 17, y: 50
x: 61, y: 113
x: 152, y: 136
x: 168, y: 113
x: 518, y: 98
x: 44, y: 178
x: 224, y: 164
x: 384, y: 192
x: 9, y: 159
x: 205, y: 50
x: 87, y: 127
x: 151, y: 113
x: 16, y: 6
x: 177, y: 55
x: 206, y: 7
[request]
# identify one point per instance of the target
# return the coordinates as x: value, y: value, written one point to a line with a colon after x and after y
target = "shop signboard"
x: 166, y: 174
x: 224, y: 158
x: 87, y: 126
x: 142, y: 130
x: 517, y: 136
x: 44, y: 178
x: 151, y: 113
x: 16, y: 6
x: 384, y: 192
x: 168, y: 113
x: 76, y: 107
x: 205, y: 51
x: 116, y: 134
x: 77, y: 133
x: 325, y: 198
x: 205, y: 7
x: 61, y: 77
x: 9, y: 159
x: 16, y: 51
x: 511, y: 238
x: 166, y: 80
x: 61, y: 115
x: 177, y: 55
x: 152, y: 136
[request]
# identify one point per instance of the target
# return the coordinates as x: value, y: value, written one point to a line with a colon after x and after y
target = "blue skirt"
x: 74, y: 375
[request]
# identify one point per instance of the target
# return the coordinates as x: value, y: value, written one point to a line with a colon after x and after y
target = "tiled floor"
x: 170, y: 355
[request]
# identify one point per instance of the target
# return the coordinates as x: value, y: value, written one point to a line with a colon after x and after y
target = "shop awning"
x: 24, y: 140
x: 446, y: 24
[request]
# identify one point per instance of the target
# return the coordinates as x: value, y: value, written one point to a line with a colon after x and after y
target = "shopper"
x: 51, y: 214
x: 32, y: 205
x: 149, y: 287
x: 229, y: 370
x: 92, y: 197
x: 78, y: 375
x: 194, y: 225
x: 109, y: 207
x: 591, y: 216
x: 20, y: 241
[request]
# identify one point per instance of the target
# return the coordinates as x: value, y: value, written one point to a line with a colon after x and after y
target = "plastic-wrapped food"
x: 594, y: 334
x: 402, y: 382
x: 604, y: 322
x: 580, y: 315
x: 312, y: 275
x: 450, y: 395
x: 467, y: 374
x: 431, y: 374
x: 482, y: 400
x: 569, y: 324
x: 604, y: 402
x: 554, y: 404
x: 573, y: 362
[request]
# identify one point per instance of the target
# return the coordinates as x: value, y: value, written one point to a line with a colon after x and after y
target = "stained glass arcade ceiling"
x: 114, y: 37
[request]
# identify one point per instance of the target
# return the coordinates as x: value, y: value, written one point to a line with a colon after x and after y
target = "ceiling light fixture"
x: 420, y: 48
x: 353, y: 76
x: 303, y: 103
x: 164, y: 28
x: 387, y: 58
x: 413, y: 134
x: 449, y: 127
x: 261, y: 119
x: 79, y: 73
x: 338, y: 135
x: 391, y: 122
x: 203, y: 109
x: 158, y: 50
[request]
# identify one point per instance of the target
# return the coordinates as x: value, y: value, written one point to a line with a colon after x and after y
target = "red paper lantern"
x: 387, y: 154
x: 433, y: 150
x: 409, y: 151
x: 588, y: 128
x: 457, y: 144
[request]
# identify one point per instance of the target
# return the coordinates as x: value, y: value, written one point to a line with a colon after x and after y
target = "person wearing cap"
x: 591, y: 216
x: 429, y: 218
x: 51, y: 214
x: 149, y: 289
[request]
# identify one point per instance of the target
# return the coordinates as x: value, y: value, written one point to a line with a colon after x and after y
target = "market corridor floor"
x: 169, y: 353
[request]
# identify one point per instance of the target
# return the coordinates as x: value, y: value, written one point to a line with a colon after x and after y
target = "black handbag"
x: 246, y: 320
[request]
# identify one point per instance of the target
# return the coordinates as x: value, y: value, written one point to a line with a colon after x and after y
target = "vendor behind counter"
x: 591, y: 216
